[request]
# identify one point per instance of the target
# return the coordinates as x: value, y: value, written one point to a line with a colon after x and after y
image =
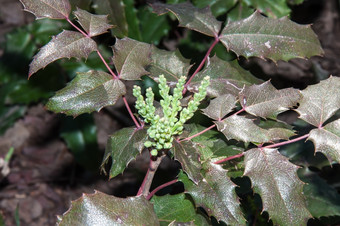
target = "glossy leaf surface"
x: 65, y: 45
x: 242, y: 129
x: 272, y: 8
x: 216, y: 194
x: 130, y: 58
x: 123, y: 147
x: 327, y: 140
x: 87, y: 92
x: 200, y: 20
x: 171, y: 64
x: 275, y: 39
x: 275, y: 179
x: 225, y: 77
x: 319, y: 102
x: 54, y: 9
x: 176, y: 207
x: 220, y: 106
x: 266, y: 101
x: 102, y: 209
x: 116, y: 14
x: 189, y: 158
x: 92, y: 24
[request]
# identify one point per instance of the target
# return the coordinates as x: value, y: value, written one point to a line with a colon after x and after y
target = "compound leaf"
x: 87, y: 92
x: 67, y: 44
x: 189, y: 16
x: 272, y: 8
x: 275, y: 179
x: 266, y: 101
x: 123, y: 147
x: 220, y: 106
x: 216, y: 194
x: 171, y: 64
x: 102, y: 209
x: 54, y: 9
x: 276, y: 39
x: 319, y: 102
x: 189, y: 158
x: 242, y: 129
x: 327, y: 140
x: 130, y: 58
x: 116, y: 13
x: 225, y: 77
x: 92, y: 24
x: 176, y: 207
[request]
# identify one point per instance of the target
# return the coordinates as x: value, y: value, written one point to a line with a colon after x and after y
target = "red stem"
x: 202, y: 63
x: 76, y: 27
x: 229, y: 158
x: 197, y: 134
x: 287, y: 142
x: 130, y: 112
x: 160, y: 187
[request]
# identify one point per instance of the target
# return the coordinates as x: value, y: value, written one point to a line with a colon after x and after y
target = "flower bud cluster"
x: 162, y: 130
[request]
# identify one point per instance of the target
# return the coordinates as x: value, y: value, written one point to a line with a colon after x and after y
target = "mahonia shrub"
x: 239, y: 153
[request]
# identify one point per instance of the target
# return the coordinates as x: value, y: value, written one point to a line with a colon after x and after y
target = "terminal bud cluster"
x: 163, y: 128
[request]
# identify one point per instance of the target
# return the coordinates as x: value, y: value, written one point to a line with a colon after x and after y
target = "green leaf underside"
x: 92, y: 24
x: 171, y: 64
x: 123, y: 147
x: 225, y: 77
x: 319, y: 102
x: 200, y: 20
x: 266, y: 101
x: 322, y: 199
x: 220, y: 106
x: 272, y: 8
x: 67, y: 44
x: 275, y: 179
x: 327, y: 140
x: 130, y: 58
x: 242, y: 129
x: 216, y: 194
x: 102, y: 209
x: 275, y: 39
x: 176, y: 207
x: 189, y: 158
x: 87, y: 92
x: 116, y: 14
x: 54, y: 9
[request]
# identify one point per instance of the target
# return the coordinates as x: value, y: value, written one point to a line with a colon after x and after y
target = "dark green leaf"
x: 93, y: 24
x: 102, y: 209
x: 276, y: 39
x: 266, y: 101
x: 189, y: 157
x: 132, y: 20
x: 171, y: 64
x: 225, y: 77
x: 115, y: 10
x: 216, y: 194
x: 130, y: 58
x: 176, y: 207
x: 239, y: 12
x: 54, y: 9
x: 123, y: 147
x: 272, y: 8
x: 322, y: 199
x: 65, y: 45
x: 243, y: 129
x: 218, y: 7
x: 319, y: 102
x: 275, y: 179
x: 200, y: 20
x: 82, y: 4
x: 327, y: 140
x: 220, y: 106
x: 86, y: 93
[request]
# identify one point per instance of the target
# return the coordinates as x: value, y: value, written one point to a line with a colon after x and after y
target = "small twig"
x: 76, y: 27
x: 287, y: 142
x: 201, y: 64
x: 153, y: 165
x: 130, y: 112
x: 197, y: 134
x: 229, y: 158
x: 160, y: 187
